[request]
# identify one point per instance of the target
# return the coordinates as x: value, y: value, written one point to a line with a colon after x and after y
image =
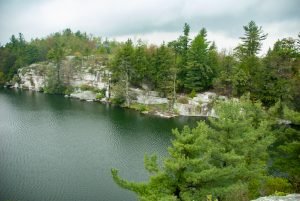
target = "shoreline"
x: 154, y: 112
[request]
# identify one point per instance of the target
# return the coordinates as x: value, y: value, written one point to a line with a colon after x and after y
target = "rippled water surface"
x: 57, y: 149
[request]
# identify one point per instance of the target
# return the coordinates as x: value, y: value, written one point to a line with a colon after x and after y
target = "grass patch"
x: 139, y: 107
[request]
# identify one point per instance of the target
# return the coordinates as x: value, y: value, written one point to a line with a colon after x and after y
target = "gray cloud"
x: 117, y: 18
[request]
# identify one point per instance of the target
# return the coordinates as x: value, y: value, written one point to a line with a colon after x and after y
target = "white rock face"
x: 291, y: 197
x: 148, y: 97
x: 198, y: 106
x: 84, y: 95
x: 35, y: 76
x: 91, y: 79
x: 31, y: 78
x: 205, y: 97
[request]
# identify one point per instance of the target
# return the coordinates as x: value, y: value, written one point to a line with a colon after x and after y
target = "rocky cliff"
x: 89, y: 75
x: 73, y: 72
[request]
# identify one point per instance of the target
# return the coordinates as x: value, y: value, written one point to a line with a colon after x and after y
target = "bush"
x: 139, y: 107
x: 85, y: 87
x: 118, y: 101
x: 69, y: 90
x: 99, y: 96
x: 54, y: 88
x: 193, y: 94
x: 2, y: 78
x: 276, y: 185
x: 183, y: 100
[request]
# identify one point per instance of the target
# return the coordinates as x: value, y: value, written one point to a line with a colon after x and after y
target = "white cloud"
x: 154, y: 20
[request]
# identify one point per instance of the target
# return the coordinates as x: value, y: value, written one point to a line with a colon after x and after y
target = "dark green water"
x: 57, y: 149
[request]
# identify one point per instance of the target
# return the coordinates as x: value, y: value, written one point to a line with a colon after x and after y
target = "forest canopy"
x: 184, y: 65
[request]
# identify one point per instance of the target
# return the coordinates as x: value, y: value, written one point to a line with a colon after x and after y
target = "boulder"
x: 290, y: 197
x: 84, y: 95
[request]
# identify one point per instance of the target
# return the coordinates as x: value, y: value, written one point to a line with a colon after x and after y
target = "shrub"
x: 276, y: 185
x: 193, y: 94
x: 2, y: 78
x: 99, y: 96
x: 69, y: 90
x: 139, y: 107
x: 183, y: 100
x: 118, y: 100
x: 86, y: 87
x: 54, y: 88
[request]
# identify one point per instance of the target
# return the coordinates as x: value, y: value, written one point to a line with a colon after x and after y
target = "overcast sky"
x: 152, y: 20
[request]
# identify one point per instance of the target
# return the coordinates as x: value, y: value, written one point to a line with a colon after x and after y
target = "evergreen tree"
x: 251, y: 42
x: 223, y: 82
x: 140, y: 63
x: 164, y: 65
x: 222, y: 160
x: 123, y: 68
x: 57, y: 54
x: 181, y: 48
x: 279, y: 75
x: 199, y: 74
x: 285, y: 151
x: 250, y: 66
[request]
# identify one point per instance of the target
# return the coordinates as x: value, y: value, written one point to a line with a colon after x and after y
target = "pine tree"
x: 250, y: 66
x: 123, y: 68
x: 181, y: 47
x: 140, y: 64
x: 222, y: 160
x: 251, y: 42
x: 279, y: 74
x: 285, y: 151
x: 199, y: 74
x: 164, y: 64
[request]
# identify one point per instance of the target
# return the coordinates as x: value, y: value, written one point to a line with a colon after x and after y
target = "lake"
x: 58, y: 149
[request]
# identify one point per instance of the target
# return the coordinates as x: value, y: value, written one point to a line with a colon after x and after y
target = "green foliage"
x: 2, y: 78
x: 165, y: 70
x: 86, y: 87
x: 119, y: 93
x: 53, y: 85
x: 68, y: 90
x: 141, y: 64
x: 199, y: 74
x: 278, y: 78
x: 54, y: 88
x: 252, y: 40
x: 277, y: 186
x: 139, y: 107
x: 286, y: 149
x: 247, y: 76
x: 183, y: 100
x: 123, y: 69
x: 193, y: 94
x: 100, y: 95
x: 291, y: 115
x: 224, y: 82
x: 218, y: 160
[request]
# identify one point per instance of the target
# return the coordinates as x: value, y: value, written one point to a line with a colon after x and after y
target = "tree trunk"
x: 127, y: 89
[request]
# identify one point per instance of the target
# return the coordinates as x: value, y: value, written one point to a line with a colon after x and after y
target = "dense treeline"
x: 184, y: 65
x: 18, y: 53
